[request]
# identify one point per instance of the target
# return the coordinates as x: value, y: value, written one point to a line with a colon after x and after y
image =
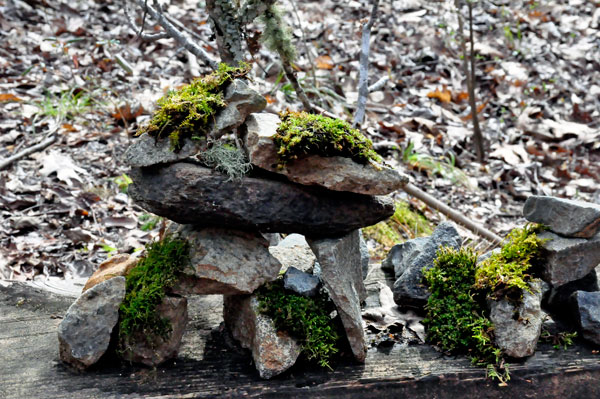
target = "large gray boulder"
x: 147, y: 151
x: 410, y: 258
x: 224, y: 261
x: 568, y: 259
x: 565, y: 217
x: 517, y: 329
x: 154, y: 350
x: 188, y: 193
x: 241, y: 101
x: 273, y: 351
x: 586, y: 308
x: 84, y: 333
x: 341, y: 274
x: 333, y: 173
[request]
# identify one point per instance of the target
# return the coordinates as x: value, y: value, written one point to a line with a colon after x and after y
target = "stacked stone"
x: 571, y: 253
x: 225, y: 222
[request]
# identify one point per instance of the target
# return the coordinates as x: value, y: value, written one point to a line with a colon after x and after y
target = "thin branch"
x: 379, y: 84
x: 35, y: 148
x: 304, y: 42
x: 181, y: 37
x: 363, y: 82
x: 143, y: 36
x: 291, y: 77
x: 451, y: 213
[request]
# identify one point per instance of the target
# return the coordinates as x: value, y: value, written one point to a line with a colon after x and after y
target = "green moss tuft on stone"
x: 146, y: 287
x: 307, y: 319
x: 300, y: 134
x: 510, y: 269
x: 189, y: 111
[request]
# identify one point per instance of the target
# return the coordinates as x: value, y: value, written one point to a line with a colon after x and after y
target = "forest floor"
x: 75, y: 70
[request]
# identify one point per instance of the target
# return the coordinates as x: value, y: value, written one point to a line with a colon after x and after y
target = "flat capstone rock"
x: 192, y: 194
x: 568, y: 218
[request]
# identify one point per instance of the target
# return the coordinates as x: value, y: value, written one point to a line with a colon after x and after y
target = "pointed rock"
x: 341, y: 275
x: 154, y: 350
x: 565, y: 217
x: 586, y: 307
x: 118, y: 265
x: 568, y: 259
x: 224, y: 261
x: 187, y: 193
x: 273, y: 351
x: 84, y: 333
x: 517, y: 329
x: 333, y: 173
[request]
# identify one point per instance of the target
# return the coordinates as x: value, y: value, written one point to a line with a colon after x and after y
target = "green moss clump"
x: 404, y: 224
x: 300, y: 134
x: 188, y: 111
x: 307, y: 319
x: 456, y: 318
x: 146, y: 286
x: 510, y: 269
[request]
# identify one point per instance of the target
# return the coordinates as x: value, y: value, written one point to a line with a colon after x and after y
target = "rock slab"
x: 333, y: 173
x: 155, y: 350
x: 409, y: 259
x: 273, y: 351
x: 118, y: 265
x: 84, y: 334
x: 341, y: 274
x: 517, y: 329
x: 568, y: 259
x: 224, y: 261
x: 187, y: 193
x: 586, y: 306
x: 565, y: 217
x: 148, y: 151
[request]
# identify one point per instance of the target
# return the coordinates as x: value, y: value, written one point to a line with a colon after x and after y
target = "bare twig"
x: 181, y: 37
x: 291, y: 77
x: 143, y: 36
x: 304, y: 42
x: 379, y: 84
x: 363, y: 82
x: 451, y: 213
x: 28, y: 151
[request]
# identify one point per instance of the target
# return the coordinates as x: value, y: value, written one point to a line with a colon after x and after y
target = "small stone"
x: 565, y: 217
x: 187, y: 193
x: 557, y: 299
x: 147, y: 151
x: 154, y: 350
x: 341, y: 274
x: 517, y: 329
x: 273, y: 351
x: 293, y: 251
x: 84, y: 334
x: 241, y: 101
x: 300, y: 282
x: 224, y: 261
x: 118, y: 265
x: 410, y: 258
x: 334, y: 173
x: 586, y: 307
x: 568, y: 259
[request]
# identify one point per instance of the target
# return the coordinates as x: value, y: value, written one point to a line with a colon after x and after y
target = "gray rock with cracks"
x: 565, y: 217
x: 84, y: 333
x: 148, y: 151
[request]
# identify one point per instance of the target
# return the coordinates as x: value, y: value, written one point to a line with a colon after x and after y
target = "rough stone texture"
x: 153, y: 351
x: 568, y: 259
x: 229, y: 262
x: 557, y: 299
x: 333, y: 173
x: 365, y: 257
x: 241, y: 101
x: 409, y: 259
x: 118, y: 265
x: 147, y: 151
x: 293, y: 251
x: 518, y: 338
x: 586, y: 309
x: 273, y: 351
x: 565, y: 217
x: 300, y: 282
x: 84, y: 333
x: 188, y: 193
x: 341, y: 274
